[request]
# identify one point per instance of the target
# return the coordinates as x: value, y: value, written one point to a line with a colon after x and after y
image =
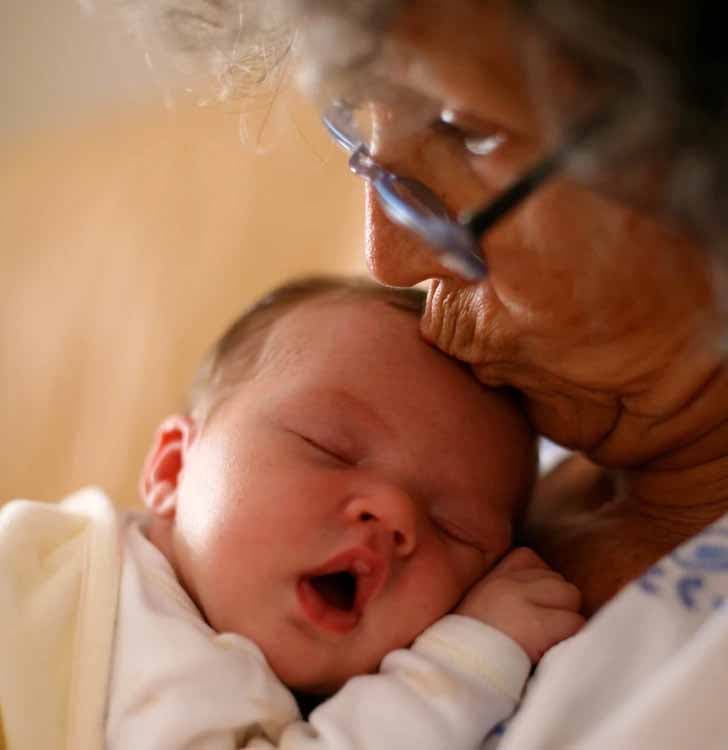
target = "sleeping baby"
x: 329, y: 523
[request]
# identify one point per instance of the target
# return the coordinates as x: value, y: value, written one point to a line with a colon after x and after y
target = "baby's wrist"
x: 480, y: 612
x: 472, y: 646
x: 494, y: 623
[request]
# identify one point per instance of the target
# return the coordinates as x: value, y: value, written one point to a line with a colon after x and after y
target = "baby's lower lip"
x: 323, y: 615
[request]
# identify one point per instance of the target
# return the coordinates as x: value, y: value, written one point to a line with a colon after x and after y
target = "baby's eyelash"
x: 455, y: 532
x: 329, y: 451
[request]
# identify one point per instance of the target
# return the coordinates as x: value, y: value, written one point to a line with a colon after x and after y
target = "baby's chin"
x: 305, y: 680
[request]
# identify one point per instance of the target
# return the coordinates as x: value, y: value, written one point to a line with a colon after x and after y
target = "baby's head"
x: 336, y: 484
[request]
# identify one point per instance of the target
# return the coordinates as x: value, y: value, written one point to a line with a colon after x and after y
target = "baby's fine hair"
x: 235, y: 356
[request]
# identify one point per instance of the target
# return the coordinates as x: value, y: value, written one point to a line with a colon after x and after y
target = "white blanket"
x: 59, y: 575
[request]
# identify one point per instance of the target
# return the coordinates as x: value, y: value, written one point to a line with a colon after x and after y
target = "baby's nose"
x: 392, y: 511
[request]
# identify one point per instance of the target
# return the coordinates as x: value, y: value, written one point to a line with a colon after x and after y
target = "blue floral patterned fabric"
x: 695, y: 575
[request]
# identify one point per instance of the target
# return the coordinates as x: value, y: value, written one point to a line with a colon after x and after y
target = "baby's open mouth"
x: 335, y: 595
x: 338, y: 590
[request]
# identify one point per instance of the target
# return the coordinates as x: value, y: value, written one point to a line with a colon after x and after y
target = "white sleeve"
x: 458, y: 680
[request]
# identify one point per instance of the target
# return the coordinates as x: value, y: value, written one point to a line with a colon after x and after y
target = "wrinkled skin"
x: 604, y: 317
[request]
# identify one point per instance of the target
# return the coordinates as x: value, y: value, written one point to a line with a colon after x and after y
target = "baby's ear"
x: 164, y: 463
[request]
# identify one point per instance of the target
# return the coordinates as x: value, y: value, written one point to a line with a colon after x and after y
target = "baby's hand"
x: 523, y: 598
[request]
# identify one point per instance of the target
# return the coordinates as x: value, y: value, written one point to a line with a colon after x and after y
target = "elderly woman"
x: 583, y: 143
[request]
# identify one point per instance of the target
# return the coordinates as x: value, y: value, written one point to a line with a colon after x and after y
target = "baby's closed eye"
x: 456, y: 531
x: 328, y: 447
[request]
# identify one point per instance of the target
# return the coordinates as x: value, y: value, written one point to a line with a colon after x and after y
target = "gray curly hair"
x: 670, y: 53
x: 239, y: 46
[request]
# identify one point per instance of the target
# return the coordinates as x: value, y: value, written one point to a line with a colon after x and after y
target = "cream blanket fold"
x: 59, y: 578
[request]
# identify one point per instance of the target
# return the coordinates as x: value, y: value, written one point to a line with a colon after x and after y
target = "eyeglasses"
x: 412, y: 204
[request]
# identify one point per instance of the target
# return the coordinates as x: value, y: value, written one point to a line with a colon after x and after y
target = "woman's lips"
x: 454, y: 315
x: 370, y: 572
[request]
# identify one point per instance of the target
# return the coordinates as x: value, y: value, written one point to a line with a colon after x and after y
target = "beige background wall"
x: 130, y: 235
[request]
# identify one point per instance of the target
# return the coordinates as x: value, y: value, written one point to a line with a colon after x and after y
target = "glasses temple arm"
x: 481, y: 221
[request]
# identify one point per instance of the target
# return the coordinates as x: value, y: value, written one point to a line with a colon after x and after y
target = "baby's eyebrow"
x: 370, y: 412
x: 348, y: 405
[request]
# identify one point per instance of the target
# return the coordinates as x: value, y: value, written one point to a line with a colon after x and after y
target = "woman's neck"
x: 682, y: 481
x: 602, y: 527
x: 676, y: 419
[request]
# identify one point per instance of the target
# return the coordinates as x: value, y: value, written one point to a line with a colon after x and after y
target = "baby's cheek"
x: 228, y: 578
x: 446, y: 574
x: 475, y: 564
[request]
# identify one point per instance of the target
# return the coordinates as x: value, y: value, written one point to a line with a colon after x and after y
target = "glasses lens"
x: 407, y: 202
x: 411, y: 204
x: 385, y: 111
x: 418, y: 197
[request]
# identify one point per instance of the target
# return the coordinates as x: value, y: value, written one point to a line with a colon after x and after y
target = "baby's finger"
x: 529, y: 575
x: 517, y: 559
x: 557, y: 625
x: 554, y: 594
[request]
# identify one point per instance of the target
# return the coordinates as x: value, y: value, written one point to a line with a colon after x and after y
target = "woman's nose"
x: 395, y: 255
x: 391, y: 511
